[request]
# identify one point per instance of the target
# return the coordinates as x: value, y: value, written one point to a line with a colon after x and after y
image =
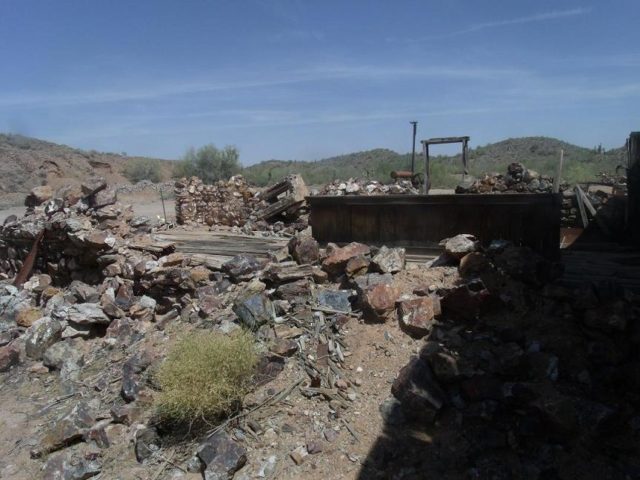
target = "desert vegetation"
x: 204, y: 375
x: 209, y: 163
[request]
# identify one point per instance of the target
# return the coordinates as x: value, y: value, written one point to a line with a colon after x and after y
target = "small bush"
x: 205, y: 375
x: 142, y: 169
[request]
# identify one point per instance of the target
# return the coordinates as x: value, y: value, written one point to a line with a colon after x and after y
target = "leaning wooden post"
x: 164, y: 211
x: 556, y: 181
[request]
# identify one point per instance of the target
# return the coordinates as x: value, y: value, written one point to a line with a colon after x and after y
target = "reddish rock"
x: 9, y: 357
x: 304, y: 249
x: 284, y: 347
x: 466, y: 302
x: 418, y: 391
x: 379, y: 301
x: 338, y: 257
x: 473, y: 264
x: 38, y: 196
x: 357, y: 266
x: 417, y: 315
x: 100, y: 240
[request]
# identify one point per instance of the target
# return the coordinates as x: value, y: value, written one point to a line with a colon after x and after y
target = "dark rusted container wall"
x: 424, y: 220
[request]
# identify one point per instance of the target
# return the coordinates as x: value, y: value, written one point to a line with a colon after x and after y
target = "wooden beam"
x: 439, y: 140
x: 583, y: 213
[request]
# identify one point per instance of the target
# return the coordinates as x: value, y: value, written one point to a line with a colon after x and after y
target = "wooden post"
x: 633, y: 183
x: 465, y: 158
x: 164, y: 211
x: 427, y: 172
x: 556, y: 181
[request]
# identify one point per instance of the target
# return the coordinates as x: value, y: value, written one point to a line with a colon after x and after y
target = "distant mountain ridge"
x: 537, y: 153
x: 28, y: 162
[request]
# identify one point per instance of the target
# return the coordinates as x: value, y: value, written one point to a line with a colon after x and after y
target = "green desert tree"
x: 209, y: 163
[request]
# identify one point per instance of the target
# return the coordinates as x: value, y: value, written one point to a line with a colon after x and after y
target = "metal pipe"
x: 413, y: 151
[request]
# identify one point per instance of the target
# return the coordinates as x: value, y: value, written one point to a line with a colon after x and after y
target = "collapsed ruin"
x: 515, y: 375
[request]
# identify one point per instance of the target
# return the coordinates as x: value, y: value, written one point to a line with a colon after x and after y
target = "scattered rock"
x: 9, y: 357
x: 147, y: 443
x: 304, y: 249
x: 338, y: 257
x: 461, y: 245
x: 41, y: 335
x: 417, y: 315
x: 389, y: 260
x: 222, y: 457
x: 254, y: 311
x: 379, y: 302
x: 299, y: 454
x: 68, y: 429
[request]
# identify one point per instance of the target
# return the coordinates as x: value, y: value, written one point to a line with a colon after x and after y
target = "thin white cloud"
x: 303, y: 75
x: 538, y: 17
x: 534, y: 18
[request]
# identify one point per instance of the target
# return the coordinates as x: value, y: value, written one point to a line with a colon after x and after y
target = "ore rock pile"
x: 518, y: 179
x: 86, y: 235
x: 368, y: 187
x: 519, y: 378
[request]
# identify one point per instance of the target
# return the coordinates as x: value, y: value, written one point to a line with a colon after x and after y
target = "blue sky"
x: 295, y: 79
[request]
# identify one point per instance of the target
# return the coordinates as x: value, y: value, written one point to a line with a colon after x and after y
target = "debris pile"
x: 516, y: 377
x: 360, y: 186
x: 518, y: 179
x: 523, y: 379
x: 77, y: 235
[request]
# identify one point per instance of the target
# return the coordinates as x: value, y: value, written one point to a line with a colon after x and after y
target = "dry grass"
x: 205, y: 375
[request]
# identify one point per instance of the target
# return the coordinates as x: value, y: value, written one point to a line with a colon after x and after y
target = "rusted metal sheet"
x: 29, y: 262
x: 424, y: 220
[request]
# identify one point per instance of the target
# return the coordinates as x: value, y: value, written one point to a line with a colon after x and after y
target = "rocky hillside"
x: 28, y: 162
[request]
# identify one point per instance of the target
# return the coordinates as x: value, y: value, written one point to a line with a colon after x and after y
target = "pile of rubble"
x: 516, y: 377
x: 77, y: 235
x: 520, y: 379
x: 518, y: 179
x: 360, y: 186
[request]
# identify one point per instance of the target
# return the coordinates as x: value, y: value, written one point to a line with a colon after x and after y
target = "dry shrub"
x: 205, y: 375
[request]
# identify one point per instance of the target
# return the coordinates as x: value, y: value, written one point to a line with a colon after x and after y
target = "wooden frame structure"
x: 439, y: 141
